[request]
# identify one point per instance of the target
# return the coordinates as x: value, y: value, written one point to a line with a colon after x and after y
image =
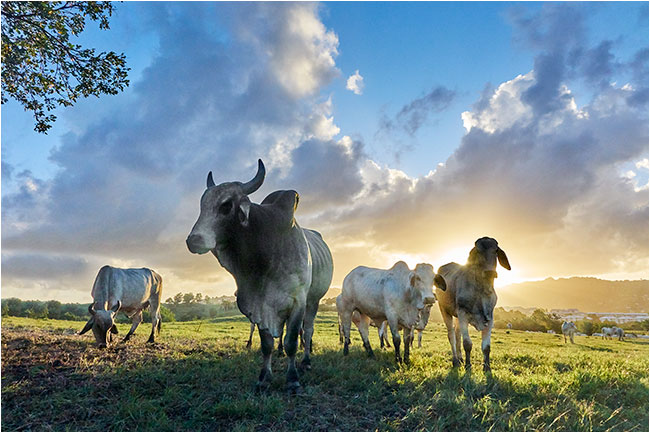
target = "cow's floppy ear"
x: 503, y: 259
x: 244, y: 210
x: 89, y: 324
x: 414, y: 279
x: 440, y: 282
x: 114, y: 329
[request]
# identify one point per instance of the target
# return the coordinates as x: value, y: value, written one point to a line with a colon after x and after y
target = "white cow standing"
x: 396, y: 295
x: 569, y: 328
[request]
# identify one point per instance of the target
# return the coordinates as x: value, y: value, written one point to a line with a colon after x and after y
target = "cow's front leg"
x: 467, y: 342
x: 394, y: 330
x: 266, y: 340
x: 280, y: 346
x: 249, y: 343
x: 486, y: 334
x: 294, y: 324
x: 346, y: 324
x: 307, y: 332
x: 408, y: 337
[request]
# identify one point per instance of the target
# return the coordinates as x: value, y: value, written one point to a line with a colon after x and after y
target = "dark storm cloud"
x: 413, y: 115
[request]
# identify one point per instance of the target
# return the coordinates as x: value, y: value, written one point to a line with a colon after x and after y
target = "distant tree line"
x: 541, y: 320
x: 181, y: 308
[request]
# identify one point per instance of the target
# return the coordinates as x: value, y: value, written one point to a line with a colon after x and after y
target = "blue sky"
x: 538, y: 90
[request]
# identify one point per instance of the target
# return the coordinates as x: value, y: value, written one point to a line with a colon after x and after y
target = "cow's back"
x: 373, y: 290
x: 130, y: 286
x: 321, y: 265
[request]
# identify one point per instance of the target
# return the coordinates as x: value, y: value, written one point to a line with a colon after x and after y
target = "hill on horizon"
x: 587, y: 294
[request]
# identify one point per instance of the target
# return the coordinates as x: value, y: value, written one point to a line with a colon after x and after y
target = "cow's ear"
x: 88, y: 325
x: 503, y: 259
x: 243, y: 211
x: 414, y: 279
x: 440, y: 282
x: 114, y: 329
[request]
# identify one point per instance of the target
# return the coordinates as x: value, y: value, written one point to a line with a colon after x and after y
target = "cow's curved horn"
x: 117, y: 307
x: 91, y: 309
x: 254, y: 184
x: 210, y: 181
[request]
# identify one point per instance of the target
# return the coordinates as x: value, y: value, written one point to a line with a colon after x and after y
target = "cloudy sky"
x: 409, y: 130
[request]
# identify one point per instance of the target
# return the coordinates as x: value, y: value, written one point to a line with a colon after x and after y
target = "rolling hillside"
x: 585, y: 294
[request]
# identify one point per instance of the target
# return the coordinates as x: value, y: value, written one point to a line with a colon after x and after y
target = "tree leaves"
x: 42, y: 69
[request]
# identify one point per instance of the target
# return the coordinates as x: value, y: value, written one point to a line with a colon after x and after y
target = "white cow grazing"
x: 126, y: 290
x: 396, y: 295
x: 569, y: 328
x: 607, y: 333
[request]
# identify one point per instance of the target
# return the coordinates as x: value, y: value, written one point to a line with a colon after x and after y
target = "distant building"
x: 573, y: 314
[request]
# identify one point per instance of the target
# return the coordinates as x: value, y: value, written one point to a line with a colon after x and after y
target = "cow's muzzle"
x: 195, y: 244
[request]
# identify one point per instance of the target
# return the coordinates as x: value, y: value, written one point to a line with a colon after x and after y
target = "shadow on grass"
x: 60, y: 382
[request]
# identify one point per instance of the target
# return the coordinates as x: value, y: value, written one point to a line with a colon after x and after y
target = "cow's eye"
x: 225, y: 207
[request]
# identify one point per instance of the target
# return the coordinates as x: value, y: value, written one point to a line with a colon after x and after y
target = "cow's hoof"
x: 346, y: 351
x: 455, y: 362
x: 468, y: 367
x: 262, y: 386
x: 248, y: 345
x: 486, y: 368
x: 305, y: 365
x: 294, y: 388
x: 407, y: 361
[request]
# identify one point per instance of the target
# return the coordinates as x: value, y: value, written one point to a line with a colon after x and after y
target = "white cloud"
x: 355, y: 83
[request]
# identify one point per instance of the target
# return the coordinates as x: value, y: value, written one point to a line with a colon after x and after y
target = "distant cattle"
x: 126, y: 290
x: 470, y: 297
x: 607, y: 332
x: 569, y: 328
x: 618, y: 332
x: 396, y: 295
x: 281, y: 270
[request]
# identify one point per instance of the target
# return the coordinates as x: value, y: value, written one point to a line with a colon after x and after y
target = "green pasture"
x: 199, y: 376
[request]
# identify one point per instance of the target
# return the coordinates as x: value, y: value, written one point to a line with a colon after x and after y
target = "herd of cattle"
x: 282, y: 271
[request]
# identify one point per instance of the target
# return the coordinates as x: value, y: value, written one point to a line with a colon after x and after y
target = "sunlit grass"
x: 199, y: 376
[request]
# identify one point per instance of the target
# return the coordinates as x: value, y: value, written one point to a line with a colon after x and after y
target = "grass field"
x: 200, y: 377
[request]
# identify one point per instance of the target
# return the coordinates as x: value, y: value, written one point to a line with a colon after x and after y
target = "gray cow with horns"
x: 281, y: 270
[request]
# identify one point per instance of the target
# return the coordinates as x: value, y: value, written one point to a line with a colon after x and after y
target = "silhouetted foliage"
x: 42, y: 69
